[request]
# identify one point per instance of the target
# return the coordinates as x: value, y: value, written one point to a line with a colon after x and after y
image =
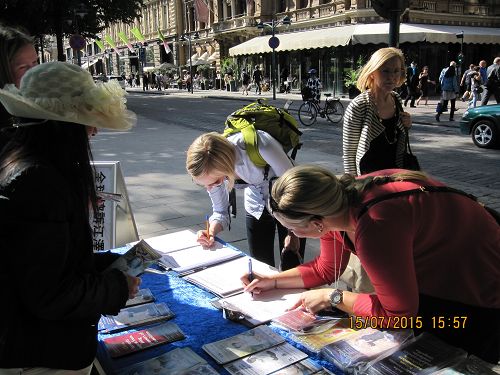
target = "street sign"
x: 274, y: 42
x: 77, y: 41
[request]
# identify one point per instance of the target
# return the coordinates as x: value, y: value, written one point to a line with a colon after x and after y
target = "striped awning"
x: 377, y: 33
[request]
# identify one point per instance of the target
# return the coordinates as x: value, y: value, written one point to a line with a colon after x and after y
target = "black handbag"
x: 410, y: 161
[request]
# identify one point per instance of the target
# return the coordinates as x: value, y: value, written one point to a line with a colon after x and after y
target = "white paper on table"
x: 224, y: 279
x: 264, y: 306
x: 172, y: 241
x: 197, y: 258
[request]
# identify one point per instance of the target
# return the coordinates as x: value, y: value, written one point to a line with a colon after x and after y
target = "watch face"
x: 336, y: 297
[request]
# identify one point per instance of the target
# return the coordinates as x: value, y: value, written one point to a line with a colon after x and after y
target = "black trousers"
x: 478, y: 333
x: 260, y: 234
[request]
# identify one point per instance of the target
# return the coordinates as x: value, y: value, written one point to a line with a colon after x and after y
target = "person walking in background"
x: 314, y: 85
x: 449, y: 87
x: 411, y: 84
x: 374, y: 126
x: 17, y: 56
x: 419, y: 264
x: 465, y: 82
x: 48, y: 191
x: 145, y: 81
x: 245, y: 81
x: 423, y: 84
x: 257, y: 79
x: 214, y: 162
x: 492, y: 86
x: 483, y: 69
x: 475, y: 87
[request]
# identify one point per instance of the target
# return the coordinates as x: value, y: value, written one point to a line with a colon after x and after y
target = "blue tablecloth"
x: 194, y: 314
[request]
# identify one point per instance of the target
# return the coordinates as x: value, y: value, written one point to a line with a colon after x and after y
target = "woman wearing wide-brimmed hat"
x: 56, y: 288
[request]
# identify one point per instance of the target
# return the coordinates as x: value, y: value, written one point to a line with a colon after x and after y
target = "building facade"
x: 233, y: 22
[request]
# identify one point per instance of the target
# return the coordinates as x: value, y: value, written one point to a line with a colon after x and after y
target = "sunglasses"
x: 218, y: 182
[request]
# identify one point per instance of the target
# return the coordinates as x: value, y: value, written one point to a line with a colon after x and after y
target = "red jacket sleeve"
x: 329, y: 265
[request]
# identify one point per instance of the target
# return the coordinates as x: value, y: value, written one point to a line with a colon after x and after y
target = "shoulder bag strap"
x: 426, y: 189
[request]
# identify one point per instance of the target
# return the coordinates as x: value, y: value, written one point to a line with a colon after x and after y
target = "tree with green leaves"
x: 65, y: 17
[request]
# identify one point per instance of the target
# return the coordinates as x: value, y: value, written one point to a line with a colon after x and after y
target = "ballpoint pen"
x: 250, y: 272
x: 208, y: 226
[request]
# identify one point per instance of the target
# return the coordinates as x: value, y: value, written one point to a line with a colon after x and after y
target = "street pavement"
x: 164, y: 199
x: 422, y: 114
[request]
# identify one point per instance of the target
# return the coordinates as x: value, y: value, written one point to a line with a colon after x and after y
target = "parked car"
x: 483, y: 124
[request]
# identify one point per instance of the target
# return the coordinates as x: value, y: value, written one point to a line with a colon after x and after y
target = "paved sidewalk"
x: 422, y: 114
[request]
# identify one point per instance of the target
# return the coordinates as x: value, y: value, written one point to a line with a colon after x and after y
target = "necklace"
x: 336, y: 274
x: 395, y: 137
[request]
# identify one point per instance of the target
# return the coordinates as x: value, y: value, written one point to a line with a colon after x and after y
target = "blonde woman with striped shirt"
x: 374, y: 122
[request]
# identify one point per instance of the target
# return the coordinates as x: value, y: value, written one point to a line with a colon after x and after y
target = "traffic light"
x: 460, y: 58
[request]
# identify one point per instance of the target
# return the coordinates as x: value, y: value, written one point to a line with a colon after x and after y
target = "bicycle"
x: 309, y: 110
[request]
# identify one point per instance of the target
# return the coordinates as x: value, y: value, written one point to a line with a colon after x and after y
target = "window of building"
x: 429, y: 6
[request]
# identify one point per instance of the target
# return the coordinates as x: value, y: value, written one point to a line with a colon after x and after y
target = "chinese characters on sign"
x: 102, y: 223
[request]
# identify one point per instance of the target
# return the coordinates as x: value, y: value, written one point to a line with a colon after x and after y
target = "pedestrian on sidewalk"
x: 257, y: 79
x: 374, y: 131
x: 475, y: 87
x: 411, y: 84
x: 450, y: 89
x: 214, y: 162
x: 245, y: 81
x: 48, y: 191
x: 492, y: 86
x: 423, y: 85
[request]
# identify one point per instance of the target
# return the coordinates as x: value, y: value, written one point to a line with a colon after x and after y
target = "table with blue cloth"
x: 201, y: 323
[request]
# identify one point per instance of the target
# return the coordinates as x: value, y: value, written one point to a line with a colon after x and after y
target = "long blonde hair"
x: 308, y: 191
x: 379, y: 58
x: 211, y: 152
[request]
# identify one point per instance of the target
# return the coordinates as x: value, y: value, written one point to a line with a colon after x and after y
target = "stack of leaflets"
x: 172, y: 241
x: 354, y: 351
x: 316, y: 341
x: 224, y: 279
x: 134, y: 316
x: 180, y: 361
x: 142, y: 296
x: 131, y: 342
x: 424, y: 354
x: 257, y: 351
x: 136, y: 259
x: 471, y: 365
x: 301, y: 322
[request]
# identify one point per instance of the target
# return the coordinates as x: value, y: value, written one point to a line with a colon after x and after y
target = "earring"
x: 320, y: 228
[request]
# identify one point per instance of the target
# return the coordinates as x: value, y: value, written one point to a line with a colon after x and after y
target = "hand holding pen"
x: 206, y: 237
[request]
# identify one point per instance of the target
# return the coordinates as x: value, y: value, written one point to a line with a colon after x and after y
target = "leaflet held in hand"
x: 136, y: 259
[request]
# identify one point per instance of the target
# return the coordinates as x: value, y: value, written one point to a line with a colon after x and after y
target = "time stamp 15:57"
x: 406, y: 322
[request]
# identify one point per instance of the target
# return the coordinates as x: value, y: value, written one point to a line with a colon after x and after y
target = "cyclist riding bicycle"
x: 314, y: 85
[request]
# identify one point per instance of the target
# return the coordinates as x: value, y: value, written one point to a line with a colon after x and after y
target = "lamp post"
x: 141, y: 47
x: 274, y: 43
x: 188, y: 38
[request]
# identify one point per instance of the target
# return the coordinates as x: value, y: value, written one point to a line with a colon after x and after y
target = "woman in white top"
x: 215, y: 162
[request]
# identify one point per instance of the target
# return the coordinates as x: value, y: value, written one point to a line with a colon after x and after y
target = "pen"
x: 208, y: 226
x: 250, y: 272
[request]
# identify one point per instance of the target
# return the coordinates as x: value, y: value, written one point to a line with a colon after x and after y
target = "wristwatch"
x: 336, y: 297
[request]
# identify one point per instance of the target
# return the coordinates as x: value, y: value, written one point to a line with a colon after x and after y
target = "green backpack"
x: 261, y: 116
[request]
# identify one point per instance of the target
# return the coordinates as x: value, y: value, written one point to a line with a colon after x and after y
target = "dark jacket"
x: 53, y: 291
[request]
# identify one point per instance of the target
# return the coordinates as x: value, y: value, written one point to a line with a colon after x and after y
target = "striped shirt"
x: 361, y: 126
